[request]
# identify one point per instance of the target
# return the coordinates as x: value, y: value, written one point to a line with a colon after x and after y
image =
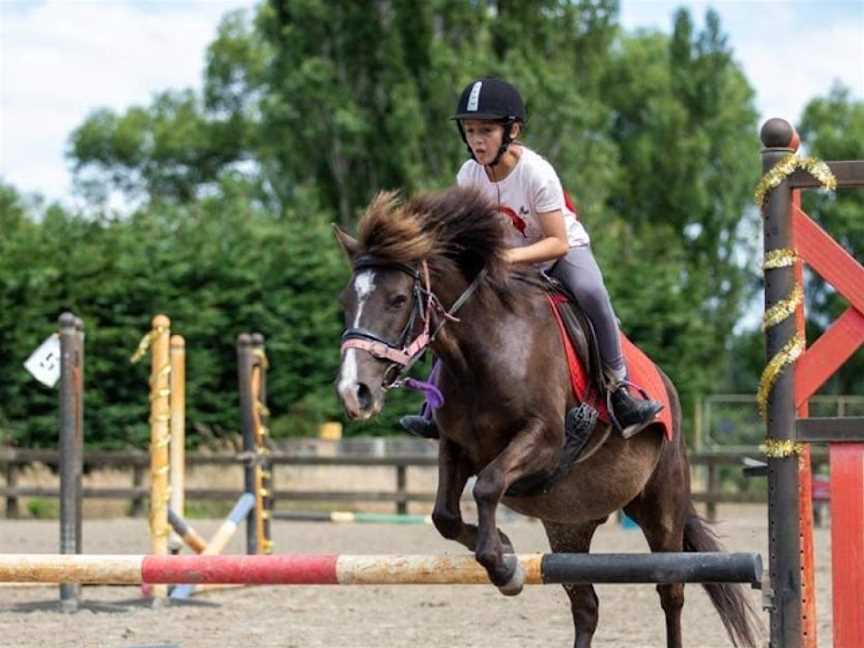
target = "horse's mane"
x: 454, y: 230
x: 457, y: 230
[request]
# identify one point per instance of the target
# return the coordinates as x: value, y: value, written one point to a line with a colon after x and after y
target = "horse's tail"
x: 730, y: 600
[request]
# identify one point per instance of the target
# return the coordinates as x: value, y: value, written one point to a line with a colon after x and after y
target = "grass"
x: 43, y: 509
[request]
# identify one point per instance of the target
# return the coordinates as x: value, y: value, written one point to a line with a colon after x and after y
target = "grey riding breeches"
x: 579, y: 272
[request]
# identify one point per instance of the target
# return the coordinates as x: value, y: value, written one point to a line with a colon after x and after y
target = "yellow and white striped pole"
x: 177, y: 470
x: 159, y: 439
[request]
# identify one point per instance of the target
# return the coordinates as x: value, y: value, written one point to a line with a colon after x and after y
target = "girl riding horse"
x: 543, y: 230
x: 504, y: 378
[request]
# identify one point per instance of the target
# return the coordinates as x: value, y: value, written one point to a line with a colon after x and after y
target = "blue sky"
x: 59, y: 59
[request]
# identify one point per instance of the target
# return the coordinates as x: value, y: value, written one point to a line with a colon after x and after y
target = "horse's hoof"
x: 514, y: 584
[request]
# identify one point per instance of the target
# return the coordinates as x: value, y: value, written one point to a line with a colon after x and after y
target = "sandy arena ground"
x: 410, y: 616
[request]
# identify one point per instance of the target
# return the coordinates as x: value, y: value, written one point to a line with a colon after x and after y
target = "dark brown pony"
x: 506, y: 390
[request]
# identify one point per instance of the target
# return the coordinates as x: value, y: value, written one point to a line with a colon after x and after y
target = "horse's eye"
x: 398, y: 301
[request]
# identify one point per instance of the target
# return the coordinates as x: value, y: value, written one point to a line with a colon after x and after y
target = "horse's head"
x: 388, y: 303
x: 383, y: 304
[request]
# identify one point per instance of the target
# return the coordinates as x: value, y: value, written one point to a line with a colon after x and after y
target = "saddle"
x: 582, y: 436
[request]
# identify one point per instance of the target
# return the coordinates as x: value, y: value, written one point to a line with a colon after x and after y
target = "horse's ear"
x: 349, y: 243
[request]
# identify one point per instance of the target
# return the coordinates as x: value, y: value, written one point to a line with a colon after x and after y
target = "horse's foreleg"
x: 528, y: 453
x: 453, y: 472
x: 454, y: 469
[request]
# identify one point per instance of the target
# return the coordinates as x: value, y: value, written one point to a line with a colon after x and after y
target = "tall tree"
x: 678, y: 218
x: 311, y: 107
x: 326, y: 103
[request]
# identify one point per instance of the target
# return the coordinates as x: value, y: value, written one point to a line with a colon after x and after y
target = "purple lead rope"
x: 434, y: 398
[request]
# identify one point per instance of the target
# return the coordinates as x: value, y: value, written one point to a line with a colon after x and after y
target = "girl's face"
x: 484, y: 138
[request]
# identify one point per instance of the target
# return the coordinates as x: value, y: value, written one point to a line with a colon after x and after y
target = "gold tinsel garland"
x: 777, y: 449
x: 784, y: 357
x: 784, y: 258
x: 145, y: 342
x: 780, y: 258
x: 785, y: 167
x: 783, y: 308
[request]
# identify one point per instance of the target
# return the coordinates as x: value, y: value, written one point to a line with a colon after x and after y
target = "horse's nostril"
x: 364, y: 396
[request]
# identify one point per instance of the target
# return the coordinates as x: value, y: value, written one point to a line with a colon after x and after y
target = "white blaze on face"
x: 364, y: 285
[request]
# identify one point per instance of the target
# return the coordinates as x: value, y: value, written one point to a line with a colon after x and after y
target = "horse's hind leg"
x: 661, y: 514
x: 576, y: 538
x: 454, y: 469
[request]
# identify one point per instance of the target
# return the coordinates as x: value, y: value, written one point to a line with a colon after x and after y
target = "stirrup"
x: 633, y: 428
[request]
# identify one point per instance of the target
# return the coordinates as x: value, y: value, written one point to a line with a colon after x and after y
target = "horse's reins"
x: 403, y: 356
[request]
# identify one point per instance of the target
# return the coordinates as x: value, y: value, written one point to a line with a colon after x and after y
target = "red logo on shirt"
x: 515, y: 219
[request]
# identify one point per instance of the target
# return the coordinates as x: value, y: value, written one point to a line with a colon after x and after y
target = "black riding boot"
x: 631, y: 413
x: 420, y: 426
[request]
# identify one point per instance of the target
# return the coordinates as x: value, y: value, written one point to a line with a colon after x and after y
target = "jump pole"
x: 335, y: 569
x: 264, y: 469
x: 158, y: 341
x: 177, y: 453
x: 351, y: 517
x: 71, y: 446
x: 189, y: 536
x: 257, y: 473
x: 221, y: 538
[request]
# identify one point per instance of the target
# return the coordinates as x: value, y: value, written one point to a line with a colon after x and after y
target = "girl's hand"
x: 553, y: 246
x: 511, y: 255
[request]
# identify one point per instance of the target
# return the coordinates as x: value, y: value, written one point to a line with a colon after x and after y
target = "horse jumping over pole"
x: 506, y: 392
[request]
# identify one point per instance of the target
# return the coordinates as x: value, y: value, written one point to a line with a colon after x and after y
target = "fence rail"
x: 13, y: 460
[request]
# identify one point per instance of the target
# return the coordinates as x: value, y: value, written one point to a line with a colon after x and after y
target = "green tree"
x: 170, y: 150
x: 216, y: 267
x: 677, y: 215
x: 311, y: 107
x: 326, y: 103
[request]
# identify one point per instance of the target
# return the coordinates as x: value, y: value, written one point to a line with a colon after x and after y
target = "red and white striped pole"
x: 335, y: 569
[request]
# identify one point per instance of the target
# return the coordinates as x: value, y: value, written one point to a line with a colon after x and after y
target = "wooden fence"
x: 13, y: 460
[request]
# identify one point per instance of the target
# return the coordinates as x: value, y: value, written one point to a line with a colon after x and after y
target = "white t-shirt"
x: 532, y: 187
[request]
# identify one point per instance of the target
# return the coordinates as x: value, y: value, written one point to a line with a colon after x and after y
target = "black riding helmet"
x: 490, y: 99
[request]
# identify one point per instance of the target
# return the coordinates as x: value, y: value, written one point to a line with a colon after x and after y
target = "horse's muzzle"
x: 358, y: 400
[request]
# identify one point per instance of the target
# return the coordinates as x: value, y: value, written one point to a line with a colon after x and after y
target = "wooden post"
x: 698, y: 434
x: 713, y: 489
x: 160, y: 415
x: 847, y: 542
x: 805, y: 487
x: 247, y: 420
x: 784, y: 597
x: 71, y: 446
x: 178, y: 434
x: 263, y: 466
x: 401, y: 487
x: 137, y: 482
x: 12, y: 510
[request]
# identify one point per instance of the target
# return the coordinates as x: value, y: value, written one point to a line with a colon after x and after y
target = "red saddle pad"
x: 641, y: 370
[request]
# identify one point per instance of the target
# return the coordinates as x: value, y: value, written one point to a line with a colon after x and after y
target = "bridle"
x: 401, y: 354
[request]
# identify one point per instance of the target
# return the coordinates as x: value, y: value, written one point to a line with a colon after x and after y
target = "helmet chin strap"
x: 506, y: 139
x: 501, y: 151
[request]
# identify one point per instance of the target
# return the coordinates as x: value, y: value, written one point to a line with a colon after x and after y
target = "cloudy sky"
x: 59, y: 59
